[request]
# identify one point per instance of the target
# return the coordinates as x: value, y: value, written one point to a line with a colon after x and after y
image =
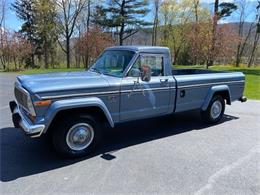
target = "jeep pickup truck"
x: 125, y: 83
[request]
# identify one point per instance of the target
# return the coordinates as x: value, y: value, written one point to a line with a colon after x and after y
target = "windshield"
x: 112, y: 62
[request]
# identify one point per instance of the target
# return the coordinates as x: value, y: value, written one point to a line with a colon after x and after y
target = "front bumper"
x: 20, y: 121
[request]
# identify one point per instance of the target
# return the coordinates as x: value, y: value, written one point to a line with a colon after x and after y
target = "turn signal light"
x: 42, y: 103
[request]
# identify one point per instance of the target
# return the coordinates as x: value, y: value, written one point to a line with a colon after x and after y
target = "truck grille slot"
x: 21, y: 97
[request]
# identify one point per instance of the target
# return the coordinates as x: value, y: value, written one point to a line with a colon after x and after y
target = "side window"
x: 154, y: 62
x: 135, y: 68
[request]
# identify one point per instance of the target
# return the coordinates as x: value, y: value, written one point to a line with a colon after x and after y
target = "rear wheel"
x: 215, y: 110
x: 76, y: 137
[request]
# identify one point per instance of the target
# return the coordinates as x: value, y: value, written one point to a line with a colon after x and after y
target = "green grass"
x: 252, y: 88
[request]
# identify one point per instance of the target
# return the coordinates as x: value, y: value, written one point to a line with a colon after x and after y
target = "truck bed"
x: 193, y: 86
x: 192, y: 71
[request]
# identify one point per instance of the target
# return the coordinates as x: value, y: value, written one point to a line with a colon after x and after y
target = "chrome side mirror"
x: 134, y: 72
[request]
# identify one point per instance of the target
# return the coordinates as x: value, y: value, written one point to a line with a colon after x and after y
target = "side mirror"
x: 146, y: 73
x: 135, y: 72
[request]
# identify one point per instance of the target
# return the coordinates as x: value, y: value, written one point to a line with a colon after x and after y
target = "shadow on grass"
x: 22, y: 156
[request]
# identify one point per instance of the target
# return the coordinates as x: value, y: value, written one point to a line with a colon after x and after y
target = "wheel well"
x: 224, y: 95
x: 95, y: 112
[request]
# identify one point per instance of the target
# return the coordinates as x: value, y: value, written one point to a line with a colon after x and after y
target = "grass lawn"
x: 252, y: 89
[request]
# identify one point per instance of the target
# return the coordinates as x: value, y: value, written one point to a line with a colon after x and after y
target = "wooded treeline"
x: 72, y: 33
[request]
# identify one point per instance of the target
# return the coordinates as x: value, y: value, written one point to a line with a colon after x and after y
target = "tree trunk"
x: 252, y: 55
x: 46, y: 63
x: 68, y: 50
x: 33, y: 60
x: 155, y: 23
x: 214, y: 29
x: 122, y: 27
x: 88, y: 16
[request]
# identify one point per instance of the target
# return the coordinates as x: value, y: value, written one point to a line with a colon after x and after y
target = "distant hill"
x: 144, y: 36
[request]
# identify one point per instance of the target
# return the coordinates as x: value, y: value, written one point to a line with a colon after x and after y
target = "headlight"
x: 30, y: 106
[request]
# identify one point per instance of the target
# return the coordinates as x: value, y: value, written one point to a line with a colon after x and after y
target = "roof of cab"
x: 145, y: 49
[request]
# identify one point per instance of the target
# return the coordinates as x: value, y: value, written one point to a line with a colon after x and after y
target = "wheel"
x: 76, y: 137
x: 215, y: 110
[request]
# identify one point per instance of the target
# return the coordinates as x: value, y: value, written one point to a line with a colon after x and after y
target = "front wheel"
x: 215, y: 110
x: 76, y: 137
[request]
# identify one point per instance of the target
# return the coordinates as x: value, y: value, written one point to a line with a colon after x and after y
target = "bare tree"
x: 155, y: 21
x: 69, y: 13
x: 2, y: 12
x: 256, y: 37
x: 2, y: 30
x: 196, y: 4
x: 244, y: 36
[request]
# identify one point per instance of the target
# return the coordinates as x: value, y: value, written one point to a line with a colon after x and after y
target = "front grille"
x: 21, y: 97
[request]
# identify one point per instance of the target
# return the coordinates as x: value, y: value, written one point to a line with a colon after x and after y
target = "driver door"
x: 143, y: 99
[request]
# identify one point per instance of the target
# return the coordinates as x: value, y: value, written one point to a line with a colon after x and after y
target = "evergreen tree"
x: 46, y: 28
x: 125, y: 15
x: 24, y: 11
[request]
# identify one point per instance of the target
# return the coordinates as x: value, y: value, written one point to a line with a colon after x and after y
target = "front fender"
x: 76, y: 103
x: 213, y: 90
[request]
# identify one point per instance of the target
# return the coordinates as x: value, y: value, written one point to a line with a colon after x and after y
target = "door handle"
x: 163, y: 80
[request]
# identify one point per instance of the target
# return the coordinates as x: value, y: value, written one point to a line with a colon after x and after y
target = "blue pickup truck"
x: 125, y: 83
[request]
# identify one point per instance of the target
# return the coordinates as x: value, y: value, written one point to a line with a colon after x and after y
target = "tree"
x: 2, y: 30
x: 242, y: 33
x: 225, y: 10
x: 2, y: 13
x: 176, y: 19
x: 24, y: 11
x: 126, y: 15
x: 92, y: 43
x: 21, y: 49
x: 46, y: 29
x: 14, y: 48
x: 155, y: 21
x: 83, y: 25
x: 69, y: 11
x: 256, y: 37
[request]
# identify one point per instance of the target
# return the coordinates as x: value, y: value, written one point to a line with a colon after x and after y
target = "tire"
x: 215, y: 110
x: 76, y: 137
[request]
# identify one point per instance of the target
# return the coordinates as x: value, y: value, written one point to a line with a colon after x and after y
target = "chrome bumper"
x: 21, y: 122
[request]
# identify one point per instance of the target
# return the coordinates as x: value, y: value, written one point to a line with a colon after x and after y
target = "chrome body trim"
x: 78, y: 95
x: 135, y: 90
x: 208, y: 84
x: 102, y: 93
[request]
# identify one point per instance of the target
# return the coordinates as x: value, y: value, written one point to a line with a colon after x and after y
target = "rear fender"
x: 219, y: 89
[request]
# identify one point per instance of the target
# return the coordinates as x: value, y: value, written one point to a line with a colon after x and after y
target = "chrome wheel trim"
x: 216, y: 109
x: 80, y: 136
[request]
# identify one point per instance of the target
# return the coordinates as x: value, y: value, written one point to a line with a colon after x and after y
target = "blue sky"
x: 13, y: 23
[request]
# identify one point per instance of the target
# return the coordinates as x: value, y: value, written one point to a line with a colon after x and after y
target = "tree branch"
x: 129, y: 35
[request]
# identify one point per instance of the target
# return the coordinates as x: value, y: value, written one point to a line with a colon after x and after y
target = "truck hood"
x: 56, y: 82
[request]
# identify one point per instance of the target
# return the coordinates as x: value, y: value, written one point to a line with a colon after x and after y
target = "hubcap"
x: 216, y: 109
x: 80, y: 136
